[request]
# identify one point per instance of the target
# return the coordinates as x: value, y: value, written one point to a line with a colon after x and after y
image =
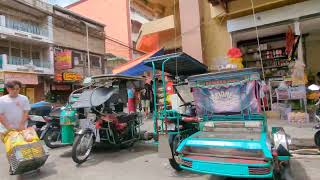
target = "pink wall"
x: 115, y: 15
x: 190, y: 28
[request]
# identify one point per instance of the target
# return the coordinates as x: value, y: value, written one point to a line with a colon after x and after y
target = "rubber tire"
x: 172, y: 160
x: 74, y: 150
x: 317, y: 139
x: 48, y: 142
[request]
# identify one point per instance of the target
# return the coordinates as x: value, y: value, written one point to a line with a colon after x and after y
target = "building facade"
x: 26, y: 51
x: 116, y: 16
x: 79, y: 51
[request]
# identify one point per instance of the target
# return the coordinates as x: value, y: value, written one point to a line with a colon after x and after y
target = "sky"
x: 62, y: 3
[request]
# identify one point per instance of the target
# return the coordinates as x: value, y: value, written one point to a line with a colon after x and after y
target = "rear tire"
x: 51, y: 138
x: 317, y: 139
x: 174, y: 141
x: 77, y: 144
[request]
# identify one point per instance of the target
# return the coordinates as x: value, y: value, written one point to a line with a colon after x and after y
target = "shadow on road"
x: 102, y: 153
x: 46, y: 171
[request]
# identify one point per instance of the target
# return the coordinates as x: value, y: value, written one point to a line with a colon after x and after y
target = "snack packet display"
x: 13, y: 139
x: 30, y: 135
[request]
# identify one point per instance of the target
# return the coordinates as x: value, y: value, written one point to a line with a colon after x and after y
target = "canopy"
x: 178, y: 64
x: 136, y: 67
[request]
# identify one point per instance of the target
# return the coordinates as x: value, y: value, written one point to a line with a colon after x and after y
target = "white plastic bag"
x: 2, y: 129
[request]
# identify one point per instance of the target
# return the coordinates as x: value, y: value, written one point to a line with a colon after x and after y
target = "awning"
x: 178, y: 63
x: 136, y: 67
x: 155, y: 34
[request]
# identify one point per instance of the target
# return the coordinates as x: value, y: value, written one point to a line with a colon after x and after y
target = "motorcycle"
x: 105, y: 121
x: 314, y: 87
x: 51, y: 132
x: 38, y: 115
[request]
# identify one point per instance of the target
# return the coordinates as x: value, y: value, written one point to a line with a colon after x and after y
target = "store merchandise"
x: 298, y: 117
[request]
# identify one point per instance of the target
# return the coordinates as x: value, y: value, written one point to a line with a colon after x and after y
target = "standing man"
x: 146, y: 94
x: 14, y: 107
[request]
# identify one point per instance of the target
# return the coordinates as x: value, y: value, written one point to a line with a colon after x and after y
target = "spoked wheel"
x: 52, y: 139
x: 317, y: 139
x: 174, y: 140
x: 82, y: 147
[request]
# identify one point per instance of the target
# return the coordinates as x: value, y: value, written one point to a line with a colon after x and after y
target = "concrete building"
x: 74, y: 36
x: 115, y: 15
x: 215, y: 26
x: 26, y: 51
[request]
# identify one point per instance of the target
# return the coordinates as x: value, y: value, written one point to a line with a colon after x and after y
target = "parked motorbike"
x: 51, y: 132
x: 37, y: 115
x: 315, y: 87
x: 317, y: 126
x: 105, y: 121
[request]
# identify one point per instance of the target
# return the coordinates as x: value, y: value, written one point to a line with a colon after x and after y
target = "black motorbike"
x: 51, y: 132
x: 317, y: 126
x: 46, y: 121
x: 37, y: 115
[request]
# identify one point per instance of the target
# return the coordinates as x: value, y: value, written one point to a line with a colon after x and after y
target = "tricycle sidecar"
x: 229, y: 134
x: 233, y: 139
x: 104, y: 117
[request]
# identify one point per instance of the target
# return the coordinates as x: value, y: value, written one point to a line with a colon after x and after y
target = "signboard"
x: 63, y: 60
x: 58, y: 77
x: 24, y: 78
x: 71, y: 76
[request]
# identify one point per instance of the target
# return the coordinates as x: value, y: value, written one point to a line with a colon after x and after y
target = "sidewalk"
x: 301, y: 134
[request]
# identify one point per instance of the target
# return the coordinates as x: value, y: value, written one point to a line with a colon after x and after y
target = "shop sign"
x: 63, y: 60
x: 24, y: 78
x: 58, y: 77
x: 71, y: 76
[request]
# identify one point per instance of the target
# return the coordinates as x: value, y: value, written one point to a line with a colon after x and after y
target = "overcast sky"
x: 62, y: 3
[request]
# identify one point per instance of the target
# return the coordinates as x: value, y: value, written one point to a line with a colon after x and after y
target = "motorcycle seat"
x: 190, y: 119
x: 121, y: 126
x: 125, y: 118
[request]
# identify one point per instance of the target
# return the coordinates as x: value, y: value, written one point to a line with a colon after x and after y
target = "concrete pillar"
x: 297, y: 30
x: 190, y: 28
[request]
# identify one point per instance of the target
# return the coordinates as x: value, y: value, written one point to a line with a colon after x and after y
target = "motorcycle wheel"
x: 51, y: 139
x: 317, y: 139
x: 174, y: 141
x: 82, y: 147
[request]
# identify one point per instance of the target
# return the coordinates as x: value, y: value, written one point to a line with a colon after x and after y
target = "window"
x: 4, y: 47
x: 36, y: 58
x: 77, y: 58
x: 95, y: 61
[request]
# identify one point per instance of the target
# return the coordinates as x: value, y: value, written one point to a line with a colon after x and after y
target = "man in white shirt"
x: 14, y: 107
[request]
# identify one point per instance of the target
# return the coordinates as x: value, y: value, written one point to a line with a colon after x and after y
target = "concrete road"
x: 139, y: 162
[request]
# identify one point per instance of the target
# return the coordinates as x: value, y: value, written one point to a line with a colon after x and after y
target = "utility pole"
x: 88, y: 53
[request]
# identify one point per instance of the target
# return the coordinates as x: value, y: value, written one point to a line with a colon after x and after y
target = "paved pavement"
x: 139, y: 162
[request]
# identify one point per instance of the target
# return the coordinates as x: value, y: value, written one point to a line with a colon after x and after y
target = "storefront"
x: 31, y: 86
x: 63, y: 85
x: 288, y: 50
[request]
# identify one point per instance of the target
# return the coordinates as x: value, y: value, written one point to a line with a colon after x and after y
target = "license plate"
x: 171, y: 127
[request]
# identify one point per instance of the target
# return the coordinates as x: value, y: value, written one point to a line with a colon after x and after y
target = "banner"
x: 227, y: 100
x: 63, y: 60
x: 71, y: 76
x: 24, y: 78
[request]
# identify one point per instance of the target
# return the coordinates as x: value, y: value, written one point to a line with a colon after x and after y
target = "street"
x: 140, y: 161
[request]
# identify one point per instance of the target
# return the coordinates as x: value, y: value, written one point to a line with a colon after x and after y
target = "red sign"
x: 24, y: 78
x: 63, y: 60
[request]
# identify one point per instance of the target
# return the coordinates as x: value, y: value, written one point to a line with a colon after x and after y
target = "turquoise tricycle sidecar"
x: 229, y: 135
x: 233, y: 139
